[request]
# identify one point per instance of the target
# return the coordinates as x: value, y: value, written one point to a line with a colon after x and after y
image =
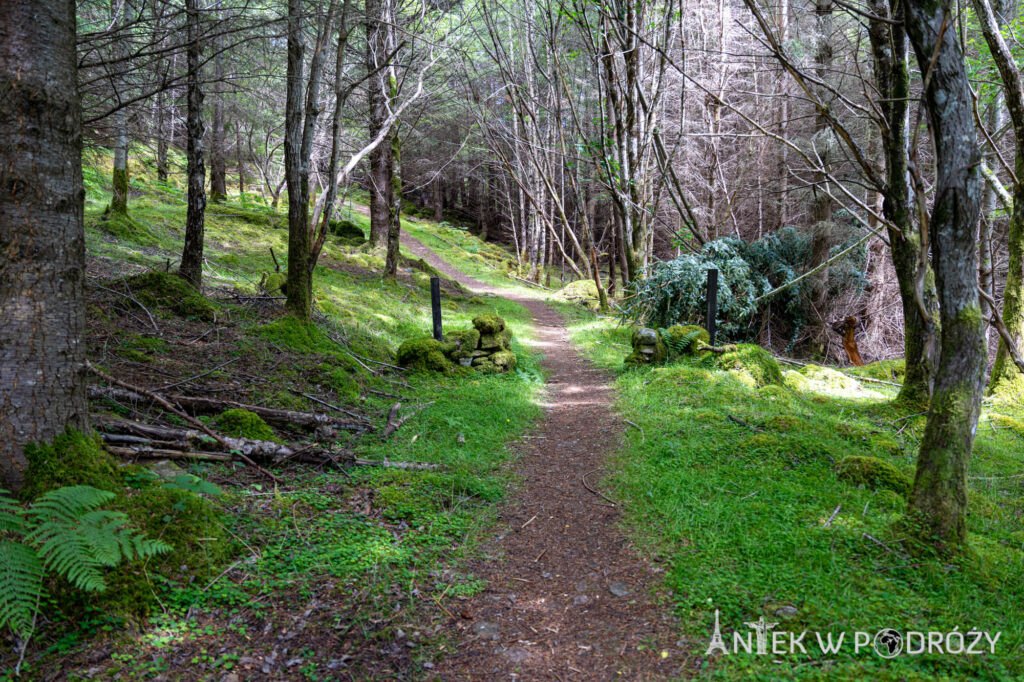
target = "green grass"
x: 389, y: 535
x: 733, y: 487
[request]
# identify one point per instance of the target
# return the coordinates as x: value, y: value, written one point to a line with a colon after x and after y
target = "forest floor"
x: 568, y: 596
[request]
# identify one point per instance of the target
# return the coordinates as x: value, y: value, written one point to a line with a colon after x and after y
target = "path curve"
x: 568, y: 597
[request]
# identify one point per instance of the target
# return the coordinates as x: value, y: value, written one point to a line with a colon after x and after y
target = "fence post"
x: 435, y: 306
x: 712, y: 304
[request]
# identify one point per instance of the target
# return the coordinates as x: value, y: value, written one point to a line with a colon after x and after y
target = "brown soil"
x: 568, y: 596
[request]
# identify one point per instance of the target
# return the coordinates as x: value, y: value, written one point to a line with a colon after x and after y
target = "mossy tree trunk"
x: 394, y: 149
x: 192, y: 255
x: 1005, y: 373
x: 938, y: 502
x: 119, y: 122
x: 42, y: 387
x: 218, y: 162
x: 381, y: 160
x: 892, y: 79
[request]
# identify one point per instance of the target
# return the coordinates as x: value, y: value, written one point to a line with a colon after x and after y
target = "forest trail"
x: 568, y: 597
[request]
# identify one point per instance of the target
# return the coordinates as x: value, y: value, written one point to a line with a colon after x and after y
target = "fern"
x: 63, y: 532
x: 680, y: 345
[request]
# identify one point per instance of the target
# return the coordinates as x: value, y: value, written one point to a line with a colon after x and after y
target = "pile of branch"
x: 197, y: 405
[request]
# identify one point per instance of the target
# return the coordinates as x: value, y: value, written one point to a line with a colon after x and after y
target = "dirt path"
x: 568, y: 598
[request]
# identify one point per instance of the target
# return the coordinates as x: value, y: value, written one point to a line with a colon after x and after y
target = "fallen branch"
x: 394, y: 423
x: 212, y: 406
x: 739, y: 421
x: 583, y: 478
x: 173, y: 410
x: 388, y: 464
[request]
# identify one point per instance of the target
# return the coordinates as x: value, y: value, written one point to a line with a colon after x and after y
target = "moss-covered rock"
x: 488, y: 324
x: 504, y: 360
x: 581, y: 292
x: 167, y: 291
x: 872, y: 472
x: 275, y: 283
x: 243, y: 424
x: 466, y: 342
x: 347, y: 232
x: 686, y: 339
x: 750, y: 363
x: 648, y: 347
x: 425, y: 353
x: 497, y: 341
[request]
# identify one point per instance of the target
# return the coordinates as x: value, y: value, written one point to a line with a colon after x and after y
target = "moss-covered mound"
x: 424, y: 353
x: 125, y: 227
x: 885, y: 370
x: 581, y: 292
x: 168, y: 292
x: 274, y: 283
x: 685, y: 339
x: 750, y: 363
x: 817, y: 379
x: 243, y: 424
x: 487, y: 348
x: 190, y: 523
x: 347, y: 232
x: 874, y: 473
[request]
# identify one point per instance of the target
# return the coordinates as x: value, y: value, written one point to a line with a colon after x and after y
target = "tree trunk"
x: 119, y: 180
x: 892, y: 79
x: 938, y: 501
x: 161, y: 139
x: 218, y: 163
x: 1006, y: 377
x: 381, y: 164
x: 192, y: 255
x: 299, y: 277
x: 239, y: 160
x: 394, y: 149
x: 42, y: 387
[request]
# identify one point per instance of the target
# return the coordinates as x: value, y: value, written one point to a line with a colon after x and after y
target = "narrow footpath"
x: 568, y: 596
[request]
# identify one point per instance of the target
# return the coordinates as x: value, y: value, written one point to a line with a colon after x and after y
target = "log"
x: 211, y: 406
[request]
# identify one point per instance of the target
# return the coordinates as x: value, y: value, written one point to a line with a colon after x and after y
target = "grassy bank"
x: 735, y: 489
x: 333, y: 572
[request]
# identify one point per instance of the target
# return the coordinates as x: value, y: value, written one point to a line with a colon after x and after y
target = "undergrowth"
x: 745, y: 494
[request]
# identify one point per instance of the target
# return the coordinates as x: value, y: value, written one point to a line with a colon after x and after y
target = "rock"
x: 516, y: 654
x: 620, y: 589
x: 580, y: 600
x: 461, y: 438
x: 466, y: 362
x: 648, y: 347
x: 504, y: 360
x: 488, y: 324
x: 787, y: 611
x: 166, y: 469
x: 487, y: 630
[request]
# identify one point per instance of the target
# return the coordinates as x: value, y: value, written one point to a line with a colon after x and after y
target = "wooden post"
x: 712, y: 304
x: 435, y: 306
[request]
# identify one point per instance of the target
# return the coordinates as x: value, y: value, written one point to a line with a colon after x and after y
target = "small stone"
x: 516, y: 654
x: 461, y: 438
x: 487, y: 630
x: 620, y: 589
x: 647, y: 337
x: 428, y: 665
x: 580, y: 600
x: 787, y: 611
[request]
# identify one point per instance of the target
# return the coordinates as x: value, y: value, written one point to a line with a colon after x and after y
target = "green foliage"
x: 673, y: 291
x: 63, y: 532
x: 347, y: 232
x: 684, y: 339
x: 167, y: 291
x: 873, y: 473
x: 242, y: 423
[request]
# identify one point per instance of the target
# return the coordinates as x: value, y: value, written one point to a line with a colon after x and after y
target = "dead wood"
x: 395, y: 423
x: 213, y: 406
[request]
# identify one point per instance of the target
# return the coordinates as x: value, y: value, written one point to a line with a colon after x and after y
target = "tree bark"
x: 218, y: 162
x: 42, y: 386
x: 192, y: 255
x: 381, y: 158
x: 892, y: 80
x: 1005, y: 374
x: 296, y: 175
x: 938, y: 501
x: 119, y: 179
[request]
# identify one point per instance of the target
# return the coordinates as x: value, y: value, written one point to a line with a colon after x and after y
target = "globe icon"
x: 888, y: 643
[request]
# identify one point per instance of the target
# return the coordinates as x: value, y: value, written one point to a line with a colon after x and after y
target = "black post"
x: 435, y: 306
x: 712, y: 304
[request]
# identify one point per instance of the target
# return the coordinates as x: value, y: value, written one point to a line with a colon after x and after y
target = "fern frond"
x: 21, y: 586
x: 67, y: 504
x: 11, y: 515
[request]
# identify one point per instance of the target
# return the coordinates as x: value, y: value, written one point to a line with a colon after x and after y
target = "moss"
x: 275, y: 283
x: 476, y: 300
x: 582, y: 292
x: 243, y: 424
x: 775, y: 392
x: 425, y: 353
x: 750, y: 362
x: 126, y: 228
x: 423, y: 266
x: 783, y: 422
x: 686, y: 339
x: 502, y: 340
x: 296, y: 335
x: 190, y: 523
x: 885, y: 370
x: 828, y: 381
x: 422, y: 280
x: 347, y: 232
x: 408, y: 503
x: 884, y: 443
x: 504, y: 360
x: 167, y: 291
x: 643, y: 338
x: 466, y: 341
x: 874, y: 473
x: 488, y: 324
x: 1010, y: 423
x: 343, y: 382
x: 251, y: 215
